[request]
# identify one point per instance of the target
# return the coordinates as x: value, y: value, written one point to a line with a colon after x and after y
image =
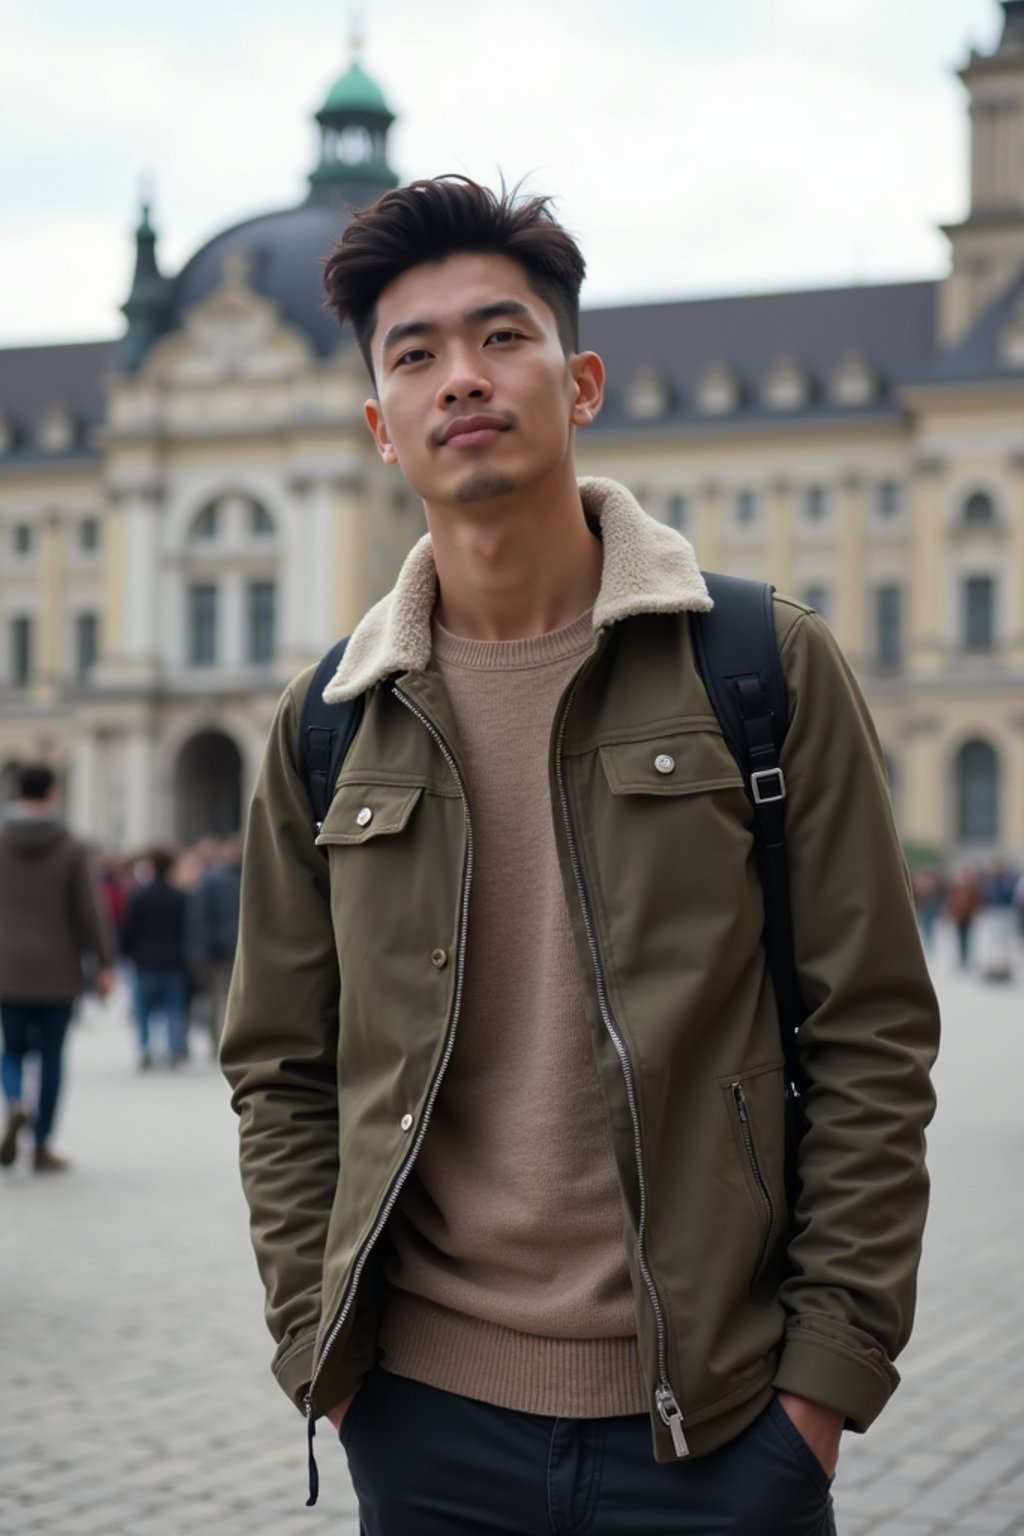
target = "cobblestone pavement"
x: 135, y: 1393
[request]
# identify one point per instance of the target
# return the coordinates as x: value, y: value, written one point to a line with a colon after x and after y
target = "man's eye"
x: 501, y: 336
x: 414, y: 355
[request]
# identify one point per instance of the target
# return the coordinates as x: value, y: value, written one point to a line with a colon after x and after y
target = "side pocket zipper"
x: 747, y: 1136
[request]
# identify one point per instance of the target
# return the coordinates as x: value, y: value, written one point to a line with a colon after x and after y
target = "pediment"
x: 234, y: 333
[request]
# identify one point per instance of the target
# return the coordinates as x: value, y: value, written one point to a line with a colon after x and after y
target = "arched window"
x: 261, y: 524
x: 977, y: 793
x: 979, y: 510
x: 206, y: 524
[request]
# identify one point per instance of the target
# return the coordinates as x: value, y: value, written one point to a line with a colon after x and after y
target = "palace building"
x: 191, y: 512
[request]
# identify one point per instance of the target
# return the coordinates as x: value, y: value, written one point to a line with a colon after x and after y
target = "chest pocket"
x: 360, y: 812
x: 684, y: 763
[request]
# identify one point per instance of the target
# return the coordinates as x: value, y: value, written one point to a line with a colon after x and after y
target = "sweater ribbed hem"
x: 514, y: 655
x: 560, y: 1378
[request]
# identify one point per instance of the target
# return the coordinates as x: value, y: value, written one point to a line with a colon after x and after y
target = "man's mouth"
x: 472, y: 431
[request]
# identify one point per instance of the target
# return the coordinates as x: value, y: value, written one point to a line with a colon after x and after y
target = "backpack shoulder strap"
x: 738, y: 658
x: 326, y: 731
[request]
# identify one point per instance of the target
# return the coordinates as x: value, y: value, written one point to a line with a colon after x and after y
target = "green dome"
x: 355, y: 91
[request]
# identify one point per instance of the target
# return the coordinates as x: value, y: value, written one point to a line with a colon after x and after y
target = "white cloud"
x: 693, y: 150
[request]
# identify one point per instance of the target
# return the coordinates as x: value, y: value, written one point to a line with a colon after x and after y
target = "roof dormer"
x: 787, y: 387
x: 854, y: 381
x: 57, y: 431
x: 718, y: 393
x: 648, y: 396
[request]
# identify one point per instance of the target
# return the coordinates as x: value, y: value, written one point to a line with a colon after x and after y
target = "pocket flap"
x: 685, y: 764
x: 360, y: 812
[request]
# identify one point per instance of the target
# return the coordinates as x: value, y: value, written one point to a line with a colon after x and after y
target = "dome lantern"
x: 354, y: 123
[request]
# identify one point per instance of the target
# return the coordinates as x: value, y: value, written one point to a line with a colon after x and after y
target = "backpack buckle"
x: 768, y: 786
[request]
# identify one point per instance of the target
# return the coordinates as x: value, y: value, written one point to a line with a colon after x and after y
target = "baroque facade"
x: 191, y: 513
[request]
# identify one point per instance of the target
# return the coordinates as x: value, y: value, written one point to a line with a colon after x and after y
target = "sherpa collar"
x: 647, y: 568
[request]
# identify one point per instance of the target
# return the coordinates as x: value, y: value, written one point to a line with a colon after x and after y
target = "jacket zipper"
x: 664, y: 1398
x: 406, y: 1168
x: 740, y: 1101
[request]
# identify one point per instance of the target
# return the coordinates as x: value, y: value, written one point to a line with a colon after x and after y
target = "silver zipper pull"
x: 671, y: 1416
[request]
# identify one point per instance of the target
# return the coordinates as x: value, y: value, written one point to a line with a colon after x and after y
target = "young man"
x: 50, y: 921
x: 502, y: 1043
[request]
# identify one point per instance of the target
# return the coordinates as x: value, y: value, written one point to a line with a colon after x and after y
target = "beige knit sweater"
x: 508, y: 1280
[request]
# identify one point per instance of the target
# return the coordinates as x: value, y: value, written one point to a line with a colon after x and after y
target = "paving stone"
x: 136, y: 1391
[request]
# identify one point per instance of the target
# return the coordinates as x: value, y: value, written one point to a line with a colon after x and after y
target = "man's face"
x: 475, y: 397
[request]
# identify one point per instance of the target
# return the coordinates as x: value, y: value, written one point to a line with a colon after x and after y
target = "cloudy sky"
x: 695, y: 147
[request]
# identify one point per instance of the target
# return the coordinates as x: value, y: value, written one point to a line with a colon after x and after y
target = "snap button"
x: 407, y: 1122
x: 439, y: 958
x: 664, y: 763
x: 364, y: 817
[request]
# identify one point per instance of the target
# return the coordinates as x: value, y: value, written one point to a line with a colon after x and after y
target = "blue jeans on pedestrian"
x: 466, y: 1468
x: 165, y: 993
x: 35, y: 1029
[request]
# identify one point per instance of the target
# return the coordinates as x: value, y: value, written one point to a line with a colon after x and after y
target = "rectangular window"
x: 890, y: 499
x: 87, y: 640
x: 815, y: 503
x: 21, y: 659
x: 889, y: 626
x: 979, y: 597
x: 89, y: 534
x: 677, y: 513
x: 818, y: 597
x: 746, y: 508
x: 22, y: 538
x: 202, y: 626
x: 262, y: 606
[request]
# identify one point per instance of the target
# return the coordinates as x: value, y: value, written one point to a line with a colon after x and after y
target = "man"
x: 50, y: 922
x: 211, y: 928
x: 153, y: 939
x: 503, y: 1044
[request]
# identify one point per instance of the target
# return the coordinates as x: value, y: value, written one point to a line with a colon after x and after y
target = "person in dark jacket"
x: 51, y: 921
x: 153, y: 938
x: 212, y: 928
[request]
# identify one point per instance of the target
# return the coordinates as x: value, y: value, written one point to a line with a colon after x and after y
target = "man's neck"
x: 516, y: 567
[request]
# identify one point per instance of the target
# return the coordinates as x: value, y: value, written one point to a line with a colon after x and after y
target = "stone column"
x: 231, y: 629
x: 139, y: 594
x: 51, y: 671
x: 708, y: 526
x: 345, y: 593
x: 923, y: 791
x: 925, y: 628
x: 294, y: 645
x: 139, y: 785
x: 779, y: 549
x: 83, y: 811
x: 849, y: 627
x: 1014, y: 629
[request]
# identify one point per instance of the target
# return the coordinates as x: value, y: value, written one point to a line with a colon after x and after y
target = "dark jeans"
x: 429, y: 1463
x: 37, y: 1028
x: 164, y: 993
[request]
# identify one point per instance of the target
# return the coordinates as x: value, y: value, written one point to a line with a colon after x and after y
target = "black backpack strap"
x: 738, y: 657
x: 326, y: 731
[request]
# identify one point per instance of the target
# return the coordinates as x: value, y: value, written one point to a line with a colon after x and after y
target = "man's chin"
x: 484, y: 485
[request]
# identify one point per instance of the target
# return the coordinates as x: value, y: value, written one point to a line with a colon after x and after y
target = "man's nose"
x: 463, y: 383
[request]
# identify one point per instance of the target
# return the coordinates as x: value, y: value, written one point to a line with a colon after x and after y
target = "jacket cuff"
x: 856, y: 1382
x: 293, y: 1369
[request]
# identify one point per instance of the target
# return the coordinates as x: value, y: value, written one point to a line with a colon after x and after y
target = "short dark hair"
x: 162, y: 860
x: 35, y: 781
x: 428, y: 221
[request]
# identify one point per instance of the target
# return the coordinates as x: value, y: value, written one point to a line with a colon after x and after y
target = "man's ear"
x: 587, y: 372
x: 378, y: 429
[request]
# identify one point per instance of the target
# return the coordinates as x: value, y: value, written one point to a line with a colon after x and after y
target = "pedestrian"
x: 928, y: 895
x: 963, y: 902
x: 153, y: 938
x: 52, y: 925
x: 502, y: 1039
x: 212, y: 928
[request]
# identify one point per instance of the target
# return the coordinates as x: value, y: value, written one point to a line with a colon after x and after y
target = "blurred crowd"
x: 985, y: 909
x: 174, y: 917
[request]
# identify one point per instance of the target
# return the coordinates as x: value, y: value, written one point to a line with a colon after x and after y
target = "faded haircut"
x: 428, y: 221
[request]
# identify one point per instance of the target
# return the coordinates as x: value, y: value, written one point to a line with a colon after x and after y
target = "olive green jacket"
x: 347, y: 987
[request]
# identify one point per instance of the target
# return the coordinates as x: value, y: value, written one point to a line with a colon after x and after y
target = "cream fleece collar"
x: 648, y: 568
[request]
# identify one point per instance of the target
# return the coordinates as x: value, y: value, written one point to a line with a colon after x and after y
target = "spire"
x: 144, y: 308
x: 354, y: 124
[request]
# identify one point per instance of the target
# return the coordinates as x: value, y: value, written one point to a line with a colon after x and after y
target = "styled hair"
x: 428, y: 221
x: 162, y: 861
x: 35, y: 781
